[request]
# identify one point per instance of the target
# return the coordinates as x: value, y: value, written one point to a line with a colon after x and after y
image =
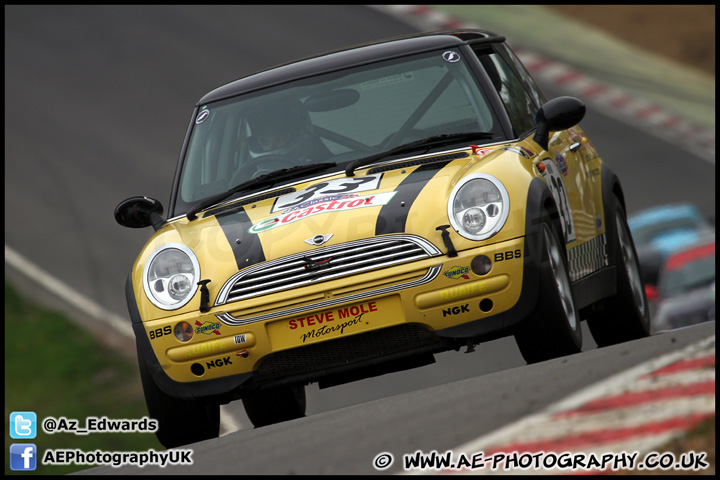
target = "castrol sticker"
x: 330, y: 204
x: 338, y: 188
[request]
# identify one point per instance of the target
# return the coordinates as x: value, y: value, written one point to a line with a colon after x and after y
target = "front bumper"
x: 442, y: 314
x: 454, y: 309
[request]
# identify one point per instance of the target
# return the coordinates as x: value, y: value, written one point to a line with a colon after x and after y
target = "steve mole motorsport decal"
x: 319, y: 325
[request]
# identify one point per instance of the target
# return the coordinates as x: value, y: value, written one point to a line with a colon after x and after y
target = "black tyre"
x: 181, y: 422
x: 553, y: 329
x: 625, y: 316
x: 275, y: 405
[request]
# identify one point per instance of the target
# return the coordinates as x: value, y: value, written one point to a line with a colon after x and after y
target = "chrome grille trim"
x: 349, y: 259
x: 228, y: 319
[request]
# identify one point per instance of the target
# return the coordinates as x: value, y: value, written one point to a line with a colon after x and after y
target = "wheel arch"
x: 539, y: 200
x: 545, y: 203
x: 612, y: 191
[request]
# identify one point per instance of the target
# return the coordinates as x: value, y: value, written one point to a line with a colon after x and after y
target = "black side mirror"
x: 558, y: 114
x: 140, y: 212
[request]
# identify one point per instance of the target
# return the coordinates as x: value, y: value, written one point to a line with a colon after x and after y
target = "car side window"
x: 520, y: 105
x: 525, y: 77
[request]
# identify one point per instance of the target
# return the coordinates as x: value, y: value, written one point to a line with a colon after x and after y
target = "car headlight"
x: 478, y: 206
x: 171, y: 275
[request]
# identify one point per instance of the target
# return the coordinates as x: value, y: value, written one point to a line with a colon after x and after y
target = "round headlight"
x: 478, y: 206
x: 170, y: 276
x: 473, y: 220
x: 179, y: 287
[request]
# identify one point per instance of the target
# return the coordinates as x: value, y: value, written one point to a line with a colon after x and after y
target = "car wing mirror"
x: 140, y: 212
x: 557, y: 114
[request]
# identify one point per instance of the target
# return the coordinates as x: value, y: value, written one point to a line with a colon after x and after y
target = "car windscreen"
x: 332, y: 117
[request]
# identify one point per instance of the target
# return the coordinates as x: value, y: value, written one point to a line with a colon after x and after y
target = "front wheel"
x: 625, y: 316
x: 275, y: 405
x: 553, y: 329
x: 180, y: 422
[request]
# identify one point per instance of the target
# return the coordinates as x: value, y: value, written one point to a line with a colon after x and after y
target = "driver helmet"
x: 279, y: 127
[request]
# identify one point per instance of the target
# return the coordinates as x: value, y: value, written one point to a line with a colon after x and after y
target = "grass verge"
x: 55, y: 369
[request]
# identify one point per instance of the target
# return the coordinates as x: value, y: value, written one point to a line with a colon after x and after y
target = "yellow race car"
x: 355, y: 213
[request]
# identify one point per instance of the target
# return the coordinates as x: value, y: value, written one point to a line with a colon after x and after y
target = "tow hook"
x: 204, y: 296
x: 446, y: 240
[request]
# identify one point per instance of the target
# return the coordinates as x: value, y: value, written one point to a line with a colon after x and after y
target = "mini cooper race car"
x: 355, y: 213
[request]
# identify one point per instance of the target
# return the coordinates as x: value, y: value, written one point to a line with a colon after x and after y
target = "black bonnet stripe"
x: 246, y: 246
x: 393, y: 216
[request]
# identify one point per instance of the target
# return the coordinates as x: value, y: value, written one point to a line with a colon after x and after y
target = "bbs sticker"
x: 509, y: 255
x: 159, y: 332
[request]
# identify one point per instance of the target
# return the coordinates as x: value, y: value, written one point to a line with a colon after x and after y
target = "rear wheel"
x: 275, y: 405
x: 180, y: 422
x: 625, y: 316
x: 553, y: 330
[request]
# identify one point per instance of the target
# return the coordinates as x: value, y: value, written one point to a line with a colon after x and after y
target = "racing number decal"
x: 557, y: 187
x: 331, y: 187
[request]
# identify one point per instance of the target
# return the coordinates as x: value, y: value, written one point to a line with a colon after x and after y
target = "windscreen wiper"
x: 266, y: 179
x: 427, y: 143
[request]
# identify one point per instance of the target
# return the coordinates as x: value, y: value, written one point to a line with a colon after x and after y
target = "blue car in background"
x: 662, y: 230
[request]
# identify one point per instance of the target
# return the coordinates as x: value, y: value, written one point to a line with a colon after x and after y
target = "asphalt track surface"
x: 97, y: 102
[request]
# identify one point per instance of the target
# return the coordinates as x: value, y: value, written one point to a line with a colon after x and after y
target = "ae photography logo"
x: 24, y: 456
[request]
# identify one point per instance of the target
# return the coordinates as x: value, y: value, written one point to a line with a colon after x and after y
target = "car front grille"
x: 323, y: 264
x: 343, y: 351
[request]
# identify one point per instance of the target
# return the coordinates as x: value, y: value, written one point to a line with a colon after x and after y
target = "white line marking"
x: 55, y: 286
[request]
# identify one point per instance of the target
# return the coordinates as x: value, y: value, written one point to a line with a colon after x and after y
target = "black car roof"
x: 350, y: 57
